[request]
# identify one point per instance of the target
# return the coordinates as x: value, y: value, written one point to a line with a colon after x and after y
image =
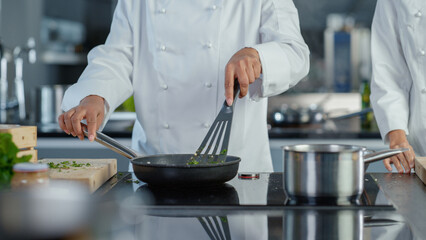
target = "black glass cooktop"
x: 264, y: 192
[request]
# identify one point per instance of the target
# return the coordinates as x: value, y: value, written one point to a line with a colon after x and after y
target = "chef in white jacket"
x: 399, y: 77
x: 177, y: 58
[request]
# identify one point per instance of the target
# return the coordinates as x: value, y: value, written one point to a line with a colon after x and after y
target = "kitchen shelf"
x: 60, y: 58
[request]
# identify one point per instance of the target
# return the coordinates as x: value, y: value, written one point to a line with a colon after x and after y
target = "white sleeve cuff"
x: 386, y: 128
x: 274, y: 68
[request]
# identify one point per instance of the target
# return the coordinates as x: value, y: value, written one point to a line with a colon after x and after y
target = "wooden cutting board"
x: 420, y: 168
x: 92, y: 174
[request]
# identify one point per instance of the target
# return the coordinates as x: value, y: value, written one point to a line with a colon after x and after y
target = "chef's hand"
x: 90, y: 108
x: 398, y: 139
x: 246, y: 67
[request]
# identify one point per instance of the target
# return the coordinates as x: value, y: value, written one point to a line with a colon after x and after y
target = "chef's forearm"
x: 396, y: 136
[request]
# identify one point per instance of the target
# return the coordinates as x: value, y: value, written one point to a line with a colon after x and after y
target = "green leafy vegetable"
x: 8, y: 158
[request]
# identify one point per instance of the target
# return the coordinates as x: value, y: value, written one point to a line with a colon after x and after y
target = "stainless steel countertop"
x: 405, y: 191
x: 408, y: 193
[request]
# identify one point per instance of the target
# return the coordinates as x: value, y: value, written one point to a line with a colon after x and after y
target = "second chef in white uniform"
x: 398, y: 87
x: 175, y: 57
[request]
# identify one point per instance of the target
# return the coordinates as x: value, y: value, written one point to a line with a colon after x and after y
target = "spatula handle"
x: 236, y: 93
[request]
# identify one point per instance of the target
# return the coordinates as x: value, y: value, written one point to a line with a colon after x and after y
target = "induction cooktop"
x: 265, y: 191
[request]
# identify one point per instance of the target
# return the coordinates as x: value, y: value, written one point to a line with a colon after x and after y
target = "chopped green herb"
x: 132, y: 181
x: 67, y: 165
x: 223, y: 152
x: 193, y: 162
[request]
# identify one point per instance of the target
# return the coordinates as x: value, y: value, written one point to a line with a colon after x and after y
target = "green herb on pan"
x: 223, y: 152
x: 192, y: 161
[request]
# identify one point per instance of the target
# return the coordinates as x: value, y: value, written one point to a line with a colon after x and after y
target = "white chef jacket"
x: 398, y: 88
x: 172, y: 55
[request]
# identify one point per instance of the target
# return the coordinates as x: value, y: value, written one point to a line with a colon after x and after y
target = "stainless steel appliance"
x: 48, y: 103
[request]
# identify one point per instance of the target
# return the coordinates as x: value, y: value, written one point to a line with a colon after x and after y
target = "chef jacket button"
x: 424, y: 90
x: 418, y: 14
x: 163, y: 10
x: 163, y: 48
x: 166, y: 126
x: 422, y: 52
x: 208, y: 85
x: 209, y: 45
x: 206, y: 125
x: 214, y: 7
x: 164, y: 86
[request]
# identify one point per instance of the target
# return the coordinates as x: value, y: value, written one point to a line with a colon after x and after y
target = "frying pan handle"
x: 113, y: 145
x: 376, y: 156
x: 355, y: 114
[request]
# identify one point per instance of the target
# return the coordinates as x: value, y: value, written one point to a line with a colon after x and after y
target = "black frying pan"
x: 172, y: 170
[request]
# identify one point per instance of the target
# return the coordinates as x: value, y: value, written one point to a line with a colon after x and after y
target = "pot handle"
x: 113, y: 144
x: 376, y: 156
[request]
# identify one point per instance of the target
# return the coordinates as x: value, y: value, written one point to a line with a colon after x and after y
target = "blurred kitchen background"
x: 48, y: 41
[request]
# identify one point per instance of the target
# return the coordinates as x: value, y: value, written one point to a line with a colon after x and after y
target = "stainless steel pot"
x: 327, y: 173
x: 49, y: 100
